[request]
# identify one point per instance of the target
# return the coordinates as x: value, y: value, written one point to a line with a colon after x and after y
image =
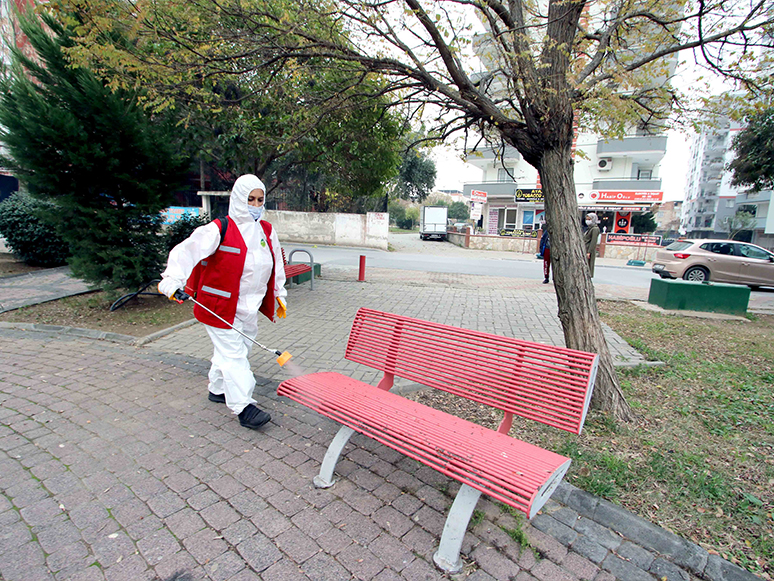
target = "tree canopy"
x: 526, y: 77
x: 109, y: 168
x: 753, y: 165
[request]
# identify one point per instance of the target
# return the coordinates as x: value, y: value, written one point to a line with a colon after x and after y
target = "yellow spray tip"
x: 284, y: 358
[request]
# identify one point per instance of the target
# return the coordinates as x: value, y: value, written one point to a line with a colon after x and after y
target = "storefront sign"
x: 535, y: 195
x: 478, y: 196
x: 634, y: 239
x: 475, y: 210
x: 627, y: 196
x: 520, y: 233
x: 609, y: 208
x: 175, y: 213
x: 623, y: 221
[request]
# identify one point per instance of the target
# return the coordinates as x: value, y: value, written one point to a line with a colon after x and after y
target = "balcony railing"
x: 493, y: 189
x: 631, y: 145
x: 626, y: 184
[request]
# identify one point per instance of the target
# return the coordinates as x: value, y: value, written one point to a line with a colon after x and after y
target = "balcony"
x: 492, y: 189
x: 753, y: 197
x: 632, y: 146
x: 626, y: 184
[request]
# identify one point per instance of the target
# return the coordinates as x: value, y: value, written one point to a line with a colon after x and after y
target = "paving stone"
x: 594, y: 552
x: 205, y: 545
x: 420, y: 570
x: 547, y: 546
x: 130, y: 568
x: 312, y: 522
x: 361, y: 562
x: 624, y: 569
x: 225, y: 566
x: 635, y: 554
x: 547, y: 571
x: 157, y: 546
x: 334, y: 541
x: 271, y: 522
x: 363, y: 530
x: 579, y: 566
x: 495, y: 563
x: 281, y: 571
x: 391, y: 552
x: 166, y: 504
x: 298, y: 546
x: 323, y: 567
x: 392, y: 521
x: 259, y: 552
x: 597, y: 533
x: 179, y: 563
x: 184, y: 523
x: 110, y: 547
x: 664, y: 570
x: 287, y: 503
x: 549, y: 525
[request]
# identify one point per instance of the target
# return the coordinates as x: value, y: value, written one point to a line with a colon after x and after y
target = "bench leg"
x: 325, y: 478
x: 447, y: 557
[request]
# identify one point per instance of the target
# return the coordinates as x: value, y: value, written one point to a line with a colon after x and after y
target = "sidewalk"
x: 113, y: 464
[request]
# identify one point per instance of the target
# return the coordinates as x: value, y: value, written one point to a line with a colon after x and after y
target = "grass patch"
x: 478, y: 516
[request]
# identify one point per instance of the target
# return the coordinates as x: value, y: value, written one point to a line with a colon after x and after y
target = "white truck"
x: 432, y: 222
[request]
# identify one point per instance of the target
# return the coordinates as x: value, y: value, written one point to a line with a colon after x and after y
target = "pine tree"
x: 109, y: 167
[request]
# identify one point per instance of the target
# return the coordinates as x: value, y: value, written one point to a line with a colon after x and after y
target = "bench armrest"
x: 292, y: 252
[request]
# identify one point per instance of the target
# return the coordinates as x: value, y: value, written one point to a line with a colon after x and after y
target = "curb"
x: 663, y: 550
x: 139, y: 342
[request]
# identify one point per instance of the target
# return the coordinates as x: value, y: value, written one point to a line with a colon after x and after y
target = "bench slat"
x: 505, y: 468
x: 544, y: 383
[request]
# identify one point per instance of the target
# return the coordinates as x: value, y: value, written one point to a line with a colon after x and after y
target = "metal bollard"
x: 361, y: 273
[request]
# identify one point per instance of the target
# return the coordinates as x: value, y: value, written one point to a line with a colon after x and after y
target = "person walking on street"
x: 234, y: 267
x: 590, y: 239
x: 545, y: 251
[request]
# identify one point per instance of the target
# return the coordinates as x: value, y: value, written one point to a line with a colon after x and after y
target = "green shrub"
x: 178, y: 231
x: 29, y: 238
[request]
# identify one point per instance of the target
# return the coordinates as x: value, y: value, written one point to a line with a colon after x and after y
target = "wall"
x: 646, y: 253
x: 505, y: 243
x: 370, y: 230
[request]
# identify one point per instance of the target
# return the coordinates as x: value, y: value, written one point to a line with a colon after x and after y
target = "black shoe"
x: 253, y: 418
x: 217, y: 397
x: 545, y: 281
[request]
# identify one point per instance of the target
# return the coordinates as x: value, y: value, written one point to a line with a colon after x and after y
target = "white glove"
x: 168, y: 286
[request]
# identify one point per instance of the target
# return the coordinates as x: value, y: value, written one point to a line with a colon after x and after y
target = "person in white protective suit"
x: 237, y: 274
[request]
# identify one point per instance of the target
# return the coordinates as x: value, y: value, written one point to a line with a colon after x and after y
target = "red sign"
x: 623, y: 220
x: 627, y: 196
x: 478, y: 196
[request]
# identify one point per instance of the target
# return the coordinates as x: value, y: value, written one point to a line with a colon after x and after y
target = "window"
x: 708, y: 221
x: 730, y: 203
x: 718, y: 248
x: 505, y: 174
x: 644, y: 174
x: 753, y: 252
x: 510, y: 218
x: 528, y: 219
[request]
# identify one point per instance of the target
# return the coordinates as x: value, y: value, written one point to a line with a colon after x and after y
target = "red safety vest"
x: 214, y: 282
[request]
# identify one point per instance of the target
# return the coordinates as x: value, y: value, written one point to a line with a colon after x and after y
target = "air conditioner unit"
x: 605, y: 163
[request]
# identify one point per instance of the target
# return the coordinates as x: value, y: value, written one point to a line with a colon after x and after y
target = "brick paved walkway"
x: 38, y: 287
x: 113, y: 464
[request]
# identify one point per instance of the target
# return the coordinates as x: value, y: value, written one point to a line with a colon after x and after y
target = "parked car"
x: 717, y: 260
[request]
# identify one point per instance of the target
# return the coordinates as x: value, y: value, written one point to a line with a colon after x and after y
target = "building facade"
x: 615, y: 178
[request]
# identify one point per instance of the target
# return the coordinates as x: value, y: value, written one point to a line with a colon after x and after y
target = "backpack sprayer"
x: 283, y: 357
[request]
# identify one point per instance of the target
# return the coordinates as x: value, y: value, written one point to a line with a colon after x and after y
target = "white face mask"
x: 256, y: 213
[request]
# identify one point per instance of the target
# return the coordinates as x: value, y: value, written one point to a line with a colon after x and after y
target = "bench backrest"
x: 544, y: 383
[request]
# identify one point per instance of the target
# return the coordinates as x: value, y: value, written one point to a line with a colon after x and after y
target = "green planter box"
x: 305, y: 276
x: 683, y: 295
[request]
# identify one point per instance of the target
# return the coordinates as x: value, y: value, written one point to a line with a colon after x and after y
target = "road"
x: 410, y: 253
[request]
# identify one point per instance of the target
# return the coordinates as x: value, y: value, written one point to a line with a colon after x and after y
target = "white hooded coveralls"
x: 230, y: 373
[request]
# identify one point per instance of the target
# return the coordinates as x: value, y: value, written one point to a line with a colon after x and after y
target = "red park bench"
x: 551, y: 385
x: 292, y: 269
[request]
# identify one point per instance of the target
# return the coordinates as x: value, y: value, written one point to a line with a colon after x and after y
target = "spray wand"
x: 283, y: 357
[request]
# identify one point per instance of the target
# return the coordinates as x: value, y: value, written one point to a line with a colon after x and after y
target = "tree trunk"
x: 574, y: 289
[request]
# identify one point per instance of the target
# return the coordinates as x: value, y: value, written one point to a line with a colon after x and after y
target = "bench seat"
x: 506, y: 469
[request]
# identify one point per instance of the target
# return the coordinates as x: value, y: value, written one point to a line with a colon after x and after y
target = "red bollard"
x: 361, y: 274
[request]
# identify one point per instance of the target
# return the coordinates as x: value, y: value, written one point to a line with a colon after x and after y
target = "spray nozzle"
x: 283, y: 357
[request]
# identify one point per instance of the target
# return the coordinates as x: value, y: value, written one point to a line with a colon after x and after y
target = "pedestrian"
x: 545, y: 251
x: 590, y: 239
x: 236, y: 274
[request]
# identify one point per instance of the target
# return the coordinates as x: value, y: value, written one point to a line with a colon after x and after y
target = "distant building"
x: 710, y: 199
x: 668, y: 218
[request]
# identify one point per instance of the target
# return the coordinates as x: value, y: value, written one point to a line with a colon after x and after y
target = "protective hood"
x: 237, y: 206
